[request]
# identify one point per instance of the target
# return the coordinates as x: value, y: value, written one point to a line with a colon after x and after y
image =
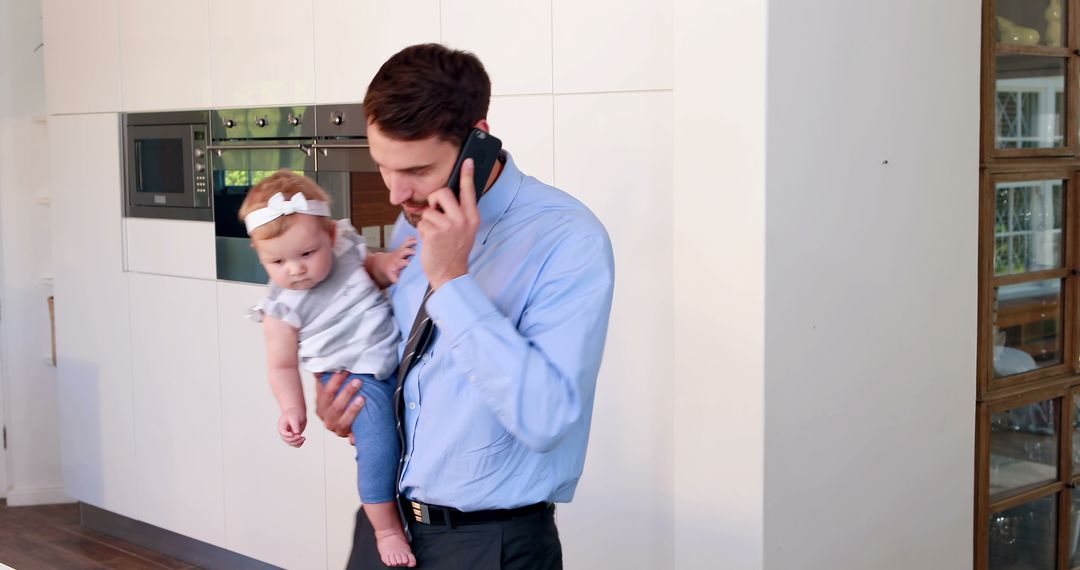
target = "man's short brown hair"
x: 289, y: 184
x: 428, y: 90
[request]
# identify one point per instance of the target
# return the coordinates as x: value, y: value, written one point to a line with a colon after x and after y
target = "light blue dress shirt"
x: 497, y: 412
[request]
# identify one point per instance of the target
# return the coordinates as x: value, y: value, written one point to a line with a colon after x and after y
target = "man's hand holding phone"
x: 448, y: 230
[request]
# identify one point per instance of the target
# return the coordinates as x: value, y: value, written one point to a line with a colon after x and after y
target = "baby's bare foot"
x: 394, y: 549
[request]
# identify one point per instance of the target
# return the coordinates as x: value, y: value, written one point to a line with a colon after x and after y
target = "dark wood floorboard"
x: 50, y: 537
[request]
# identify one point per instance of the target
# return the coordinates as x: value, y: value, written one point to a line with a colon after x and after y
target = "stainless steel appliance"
x: 344, y: 167
x: 327, y: 143
x: 165, y: 166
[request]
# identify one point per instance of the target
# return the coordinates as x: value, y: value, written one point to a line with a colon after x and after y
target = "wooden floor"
x: 48, y: 537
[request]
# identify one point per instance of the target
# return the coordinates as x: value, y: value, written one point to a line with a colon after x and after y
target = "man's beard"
x: 413, y: 219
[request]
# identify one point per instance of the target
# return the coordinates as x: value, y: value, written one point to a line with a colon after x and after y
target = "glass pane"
x: 1074, y: 529
x: 1028, y: 22
x: 1027, y: 226
x: 1027, y: 326
x: 1024, y: 537
x: 1029, y: 110
x: 161, y: 166
x: 1023, y: 447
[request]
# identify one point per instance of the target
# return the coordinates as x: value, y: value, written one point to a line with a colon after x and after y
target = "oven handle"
x: 324, y: 149
x: 343, y: 145
x: 304, y: 148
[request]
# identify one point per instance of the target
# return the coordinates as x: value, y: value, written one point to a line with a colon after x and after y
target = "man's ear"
x: 483, y: 125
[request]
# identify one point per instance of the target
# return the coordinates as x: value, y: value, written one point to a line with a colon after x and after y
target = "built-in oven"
x: 165, y: 165
x: 327, y: 143
x: 344, y: 166
x: 248, y: 145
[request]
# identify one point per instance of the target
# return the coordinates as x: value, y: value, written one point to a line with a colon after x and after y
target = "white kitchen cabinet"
x: 525, y: 125
x: 165, y: 54
x: 612, y: 45
x: 92, y: 320
x: 180, y: 248
x: 597, y: 136
x: 512, y: 39
x: 261, y: 53
x: 354, y: 37
x: 275, y: 506
x: 177, y: 399
x: 342, y: 498
x: 82, y: 55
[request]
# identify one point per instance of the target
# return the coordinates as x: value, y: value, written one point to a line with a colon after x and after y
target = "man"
x: 496, y: 410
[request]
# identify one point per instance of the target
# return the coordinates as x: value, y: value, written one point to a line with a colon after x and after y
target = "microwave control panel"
x: 199, y: 158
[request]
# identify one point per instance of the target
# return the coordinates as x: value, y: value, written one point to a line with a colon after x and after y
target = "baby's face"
x: 301, y: 257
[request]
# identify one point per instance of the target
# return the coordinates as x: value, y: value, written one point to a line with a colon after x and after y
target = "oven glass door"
x: 348, y: 170
x: 235, y: 170
x: 160, y: 165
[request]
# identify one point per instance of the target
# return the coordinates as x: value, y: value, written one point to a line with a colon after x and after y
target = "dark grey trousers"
x: 526, y: 543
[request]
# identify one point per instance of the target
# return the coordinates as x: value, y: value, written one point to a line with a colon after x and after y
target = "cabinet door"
x: 353, y: 39
x: 273, y: 493
x: 82, y: 55
x: 181, y: 248
x: 261, y: 53
x: 92, y: 326
x: 342, y: 498
x: 612, y: 45
x: 164, y: 54
x: 513, y: 39
x: 177, y: 396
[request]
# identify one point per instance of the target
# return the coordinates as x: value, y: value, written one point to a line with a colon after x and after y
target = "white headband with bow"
x: 278, y: 206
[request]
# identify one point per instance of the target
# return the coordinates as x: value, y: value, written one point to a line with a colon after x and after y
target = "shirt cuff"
x: 458, y: 305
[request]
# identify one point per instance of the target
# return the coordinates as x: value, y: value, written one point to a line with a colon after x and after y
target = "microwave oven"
x: 166, y: 165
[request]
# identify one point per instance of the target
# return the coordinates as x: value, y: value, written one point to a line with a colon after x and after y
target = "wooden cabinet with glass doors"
x: 1027, y: 481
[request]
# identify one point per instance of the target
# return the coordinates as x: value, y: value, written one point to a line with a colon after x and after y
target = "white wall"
x: 871, y: 283
x: 719, y: 296
x: 33, y: 454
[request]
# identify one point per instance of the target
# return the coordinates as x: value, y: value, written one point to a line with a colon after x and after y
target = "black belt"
x: 434, y: 514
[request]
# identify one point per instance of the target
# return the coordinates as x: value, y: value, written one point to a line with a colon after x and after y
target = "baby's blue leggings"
x: 377, y: 447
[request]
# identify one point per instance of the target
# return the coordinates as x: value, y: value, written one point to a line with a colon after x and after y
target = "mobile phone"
x: 484, y: 149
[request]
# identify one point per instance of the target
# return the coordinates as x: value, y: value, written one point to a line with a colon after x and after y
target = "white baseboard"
x: 27, y: 496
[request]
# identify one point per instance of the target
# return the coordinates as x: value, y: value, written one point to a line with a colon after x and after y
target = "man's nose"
x: 400, y: 191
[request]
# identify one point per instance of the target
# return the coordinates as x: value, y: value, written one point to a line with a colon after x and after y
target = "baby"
x: 325, y: 312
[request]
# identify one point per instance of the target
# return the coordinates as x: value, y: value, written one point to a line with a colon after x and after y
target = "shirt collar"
x: 498, y: 198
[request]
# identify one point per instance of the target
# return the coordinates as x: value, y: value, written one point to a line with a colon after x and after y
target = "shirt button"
x: 438, y: 323
x: 472, y: 377
x: 407, y: 456
x: 412, y: 405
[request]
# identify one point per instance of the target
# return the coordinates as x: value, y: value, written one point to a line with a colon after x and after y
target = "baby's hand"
x: 291, y: 424
x: 386, y: 267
